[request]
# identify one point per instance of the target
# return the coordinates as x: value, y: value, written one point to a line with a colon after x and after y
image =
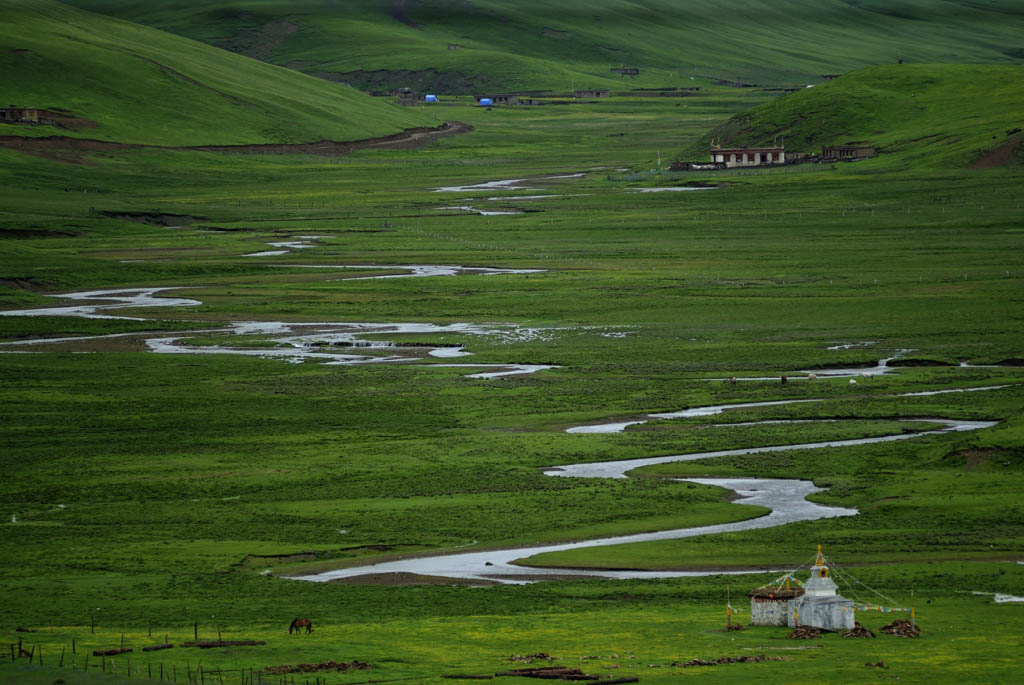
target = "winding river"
x: 786, y: 499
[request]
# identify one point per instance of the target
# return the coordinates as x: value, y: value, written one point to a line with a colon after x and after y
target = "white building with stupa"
x: 815, y: 603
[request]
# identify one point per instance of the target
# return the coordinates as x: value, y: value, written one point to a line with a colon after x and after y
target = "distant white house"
x: 748, y: 156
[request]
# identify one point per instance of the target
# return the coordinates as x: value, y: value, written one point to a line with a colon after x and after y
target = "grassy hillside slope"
x: 537, y: 45
x: 140, y: 85
x: 934, y: 115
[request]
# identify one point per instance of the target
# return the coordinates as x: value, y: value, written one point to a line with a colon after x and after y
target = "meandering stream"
x: 786, y: 499
x: 299, y: 341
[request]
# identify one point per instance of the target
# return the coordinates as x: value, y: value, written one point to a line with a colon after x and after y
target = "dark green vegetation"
x: 160, y: 488
x: 127, y: 83
x: 531, y: 44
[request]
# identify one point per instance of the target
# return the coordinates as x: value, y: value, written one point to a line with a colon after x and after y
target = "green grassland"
x: 911, y: 112
x: 133, y: 84
x: 530, y: 45
x: 168, y: 490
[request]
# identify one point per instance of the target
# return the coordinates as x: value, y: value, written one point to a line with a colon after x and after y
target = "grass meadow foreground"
x: 162, y: 496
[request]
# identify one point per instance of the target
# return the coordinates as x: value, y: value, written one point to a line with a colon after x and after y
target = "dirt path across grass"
x: 73, y: 150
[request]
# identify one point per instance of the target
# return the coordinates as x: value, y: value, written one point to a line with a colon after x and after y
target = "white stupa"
x: 820, y: 606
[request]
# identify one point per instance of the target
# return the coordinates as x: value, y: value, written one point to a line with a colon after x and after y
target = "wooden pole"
x: 92, y: 624
x: 195, y: 630
x: 86, y: 669
x: 61, y: 665
x: 73, y: 646
x: 150, y: 628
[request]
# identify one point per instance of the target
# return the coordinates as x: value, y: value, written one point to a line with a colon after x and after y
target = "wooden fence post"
x: 61, y: 664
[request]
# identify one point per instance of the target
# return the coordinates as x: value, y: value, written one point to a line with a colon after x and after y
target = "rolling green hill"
x: 932, y: 115
x: 531, y: 44
x: 129, y: 83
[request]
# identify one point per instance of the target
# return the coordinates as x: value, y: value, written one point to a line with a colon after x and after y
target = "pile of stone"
x: 329, y: 665
x: 530, y: 658
x: 729, y: 660
x: 901, y: 627
x: 858, y: 631
x: 805, y: 633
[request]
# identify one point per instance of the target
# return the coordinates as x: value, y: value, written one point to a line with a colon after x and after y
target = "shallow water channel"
x: 299, y: 341
x: 786, y: 499
x: 327, y: 342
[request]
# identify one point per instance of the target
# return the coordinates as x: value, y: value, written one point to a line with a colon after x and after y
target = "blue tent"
x: 430, y: 98
x: 485, y: 102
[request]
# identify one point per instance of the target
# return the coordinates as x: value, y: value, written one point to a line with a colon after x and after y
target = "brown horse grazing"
x: 300, y: 623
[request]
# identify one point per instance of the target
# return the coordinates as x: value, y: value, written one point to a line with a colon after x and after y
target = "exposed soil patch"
x: 408, y: 139
x: 550, y: 673
x: 72, y: 150
x: 259, y: 42
x: 28, y: 233
x: 973, y: 457
x: 919, y: 362
x: 329, y: 665
x: 401, y: 579
x: 383, y: 81
x: 1009, y: 153
x: 22, y: 284
x: 729, y: 660
x: 61, y: 118
x: 154, y: 218
x: 62, y: 148
x: 295, y: 557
